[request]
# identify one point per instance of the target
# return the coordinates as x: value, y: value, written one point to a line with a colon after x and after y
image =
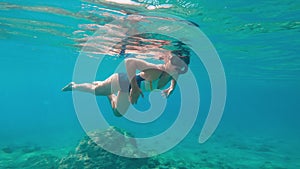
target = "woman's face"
x: 174, y: 64
x: 176, y: 61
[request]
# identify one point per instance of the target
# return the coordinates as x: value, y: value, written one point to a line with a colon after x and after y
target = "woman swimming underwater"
x: 129, y: 86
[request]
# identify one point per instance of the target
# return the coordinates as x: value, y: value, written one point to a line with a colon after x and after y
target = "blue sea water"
x: 257, y: 42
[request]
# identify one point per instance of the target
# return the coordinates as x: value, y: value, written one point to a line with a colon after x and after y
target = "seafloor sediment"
x: 222, y: 151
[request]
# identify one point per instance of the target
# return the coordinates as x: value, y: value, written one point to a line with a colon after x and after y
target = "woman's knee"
x: 103, y: 89
x: 117, y: 113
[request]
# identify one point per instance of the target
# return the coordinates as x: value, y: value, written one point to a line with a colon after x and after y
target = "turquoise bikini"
x: 143, y: 84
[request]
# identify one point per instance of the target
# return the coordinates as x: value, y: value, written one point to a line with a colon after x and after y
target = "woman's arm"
x: 132, y: 65
x: 167, y: 92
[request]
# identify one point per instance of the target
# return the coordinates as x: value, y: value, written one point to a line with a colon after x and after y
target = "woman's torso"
x: 159, y: 77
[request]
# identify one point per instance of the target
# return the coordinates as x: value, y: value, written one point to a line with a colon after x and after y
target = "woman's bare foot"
x: 68, y: 87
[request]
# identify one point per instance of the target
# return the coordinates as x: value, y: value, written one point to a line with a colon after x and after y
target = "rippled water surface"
x: 261, y: 35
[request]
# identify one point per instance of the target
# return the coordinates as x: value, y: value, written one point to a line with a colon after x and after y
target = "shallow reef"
x: 28, y: 157
x: 89, y: 153
x: 227, y: 151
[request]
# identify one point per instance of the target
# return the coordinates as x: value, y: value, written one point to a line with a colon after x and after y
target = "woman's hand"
x: 166, y: 93
x: 135, y: 92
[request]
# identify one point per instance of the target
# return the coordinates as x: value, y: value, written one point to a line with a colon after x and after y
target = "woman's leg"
x: 119, y: 103
x: 108, y: 87
x: 99, y: 88
x: 84, y: 87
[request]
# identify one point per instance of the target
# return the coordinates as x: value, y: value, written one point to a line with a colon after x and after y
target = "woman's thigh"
x: 108, y: 86
x: 122, y: 102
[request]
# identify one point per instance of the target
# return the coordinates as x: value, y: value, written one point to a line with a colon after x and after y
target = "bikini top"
x: 149, y: 85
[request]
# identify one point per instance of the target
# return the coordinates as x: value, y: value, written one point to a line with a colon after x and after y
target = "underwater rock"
x: 23, y: 148
x: 265, y: 148
x: 30, y: 149
x: 89, y: 155
x: 270, y: 165
x: 8, y: 150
